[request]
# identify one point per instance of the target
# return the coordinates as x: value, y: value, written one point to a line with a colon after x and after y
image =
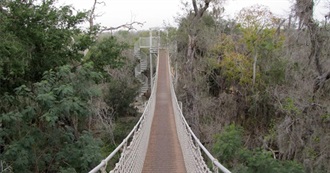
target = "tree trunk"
x: 320, y: 81
x: 255, y: 66
x: 304, y: 10
x: 190, y: 72
x: 191, y: 47
x: 316, y: 45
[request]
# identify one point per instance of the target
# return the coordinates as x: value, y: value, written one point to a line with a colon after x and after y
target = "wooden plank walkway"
x: 164, y: 153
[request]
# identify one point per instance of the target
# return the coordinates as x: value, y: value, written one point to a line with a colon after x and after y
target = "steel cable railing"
x: 134, y: 146
x: 190, y: 144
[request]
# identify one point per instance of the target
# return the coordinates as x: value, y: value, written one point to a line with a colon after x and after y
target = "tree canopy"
x: 52, y: 109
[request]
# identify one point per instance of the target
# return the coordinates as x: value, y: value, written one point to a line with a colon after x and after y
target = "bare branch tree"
x: 194, y: 28
x: 320, y: 81
x: 304, y: 11
x: 92, y: 16
x: 128, y: 26
x: 193, y: 31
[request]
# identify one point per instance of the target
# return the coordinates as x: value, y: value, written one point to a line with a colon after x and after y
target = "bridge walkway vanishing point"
x: 164, y: 152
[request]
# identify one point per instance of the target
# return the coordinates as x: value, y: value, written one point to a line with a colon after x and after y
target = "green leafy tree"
x: 230, y: 150
x: 45, y: 127
x: 46, y: 87
x: 37, y: 37
x: 260, y: 33
x: 108, y: 52
x: 120, y: 97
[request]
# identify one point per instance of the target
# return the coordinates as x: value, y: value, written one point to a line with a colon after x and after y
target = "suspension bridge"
x: 162, y: 140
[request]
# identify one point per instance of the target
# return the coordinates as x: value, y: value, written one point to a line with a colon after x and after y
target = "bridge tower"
x: 143, y: 47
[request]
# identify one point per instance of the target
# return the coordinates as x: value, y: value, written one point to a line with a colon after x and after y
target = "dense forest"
x: 59, y: 101
x: 255, y: 89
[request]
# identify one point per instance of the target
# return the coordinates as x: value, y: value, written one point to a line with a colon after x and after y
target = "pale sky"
x: 155, y: 12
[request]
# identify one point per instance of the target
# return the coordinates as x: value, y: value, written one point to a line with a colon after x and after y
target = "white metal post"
x: 167, y: 40
x: 158, y: 38
x: 150, y: 54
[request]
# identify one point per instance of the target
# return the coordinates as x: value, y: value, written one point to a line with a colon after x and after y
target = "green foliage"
x: 228, y: 143
x: 237, y: 68
x: 236, y: 65
x: 108, y: 53
x: 290, y: 107
x: 123, y: 126
x: 230, y: 150
x: 262, y: 39
x: 47, y: 87
x: 257, y: 38
x: 82, y: 154
x: 275, y: 74
x: 225, y: 44
x: 120, y: 97
x: 37, y: 37
x: 208, y: 20
x: 45, y: 127
x: 260, y: 161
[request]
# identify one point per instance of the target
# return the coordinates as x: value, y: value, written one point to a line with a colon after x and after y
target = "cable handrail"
x: 215, y: 162
x: 114, y: 152
x: 103, y: 163
x: 134, y: 147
